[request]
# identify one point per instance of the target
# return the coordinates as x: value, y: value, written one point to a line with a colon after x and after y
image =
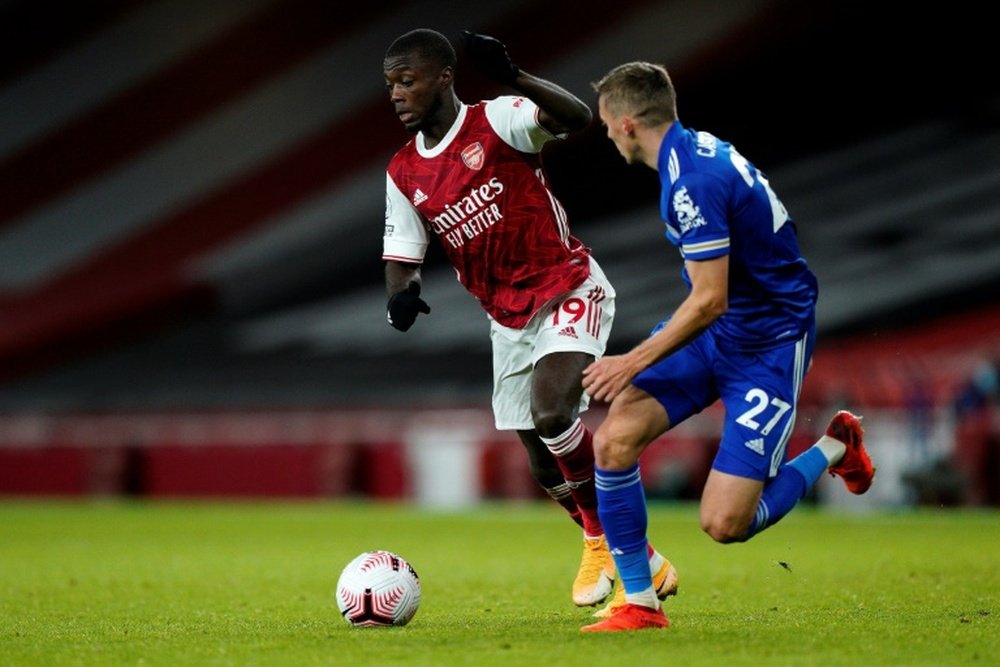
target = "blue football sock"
x: 787, y: 488
x: 621, y: 506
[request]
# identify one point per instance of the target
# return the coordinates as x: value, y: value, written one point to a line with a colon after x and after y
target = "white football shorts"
x: 578, y: 321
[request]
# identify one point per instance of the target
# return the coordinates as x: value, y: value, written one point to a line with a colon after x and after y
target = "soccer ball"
x: 378, y: 588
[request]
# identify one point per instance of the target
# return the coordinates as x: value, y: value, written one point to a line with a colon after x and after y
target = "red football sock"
x: 574, y: 452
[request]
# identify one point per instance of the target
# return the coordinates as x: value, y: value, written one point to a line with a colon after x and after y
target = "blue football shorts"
x: 759, y: 389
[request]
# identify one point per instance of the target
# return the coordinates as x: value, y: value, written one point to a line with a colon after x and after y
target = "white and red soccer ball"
x: 378, y: 588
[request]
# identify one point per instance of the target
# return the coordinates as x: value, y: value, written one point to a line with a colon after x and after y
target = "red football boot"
x: 855, y: 468
x: 630, y: 617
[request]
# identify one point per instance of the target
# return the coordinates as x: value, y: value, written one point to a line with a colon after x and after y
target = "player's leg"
x: 840, y: 451
x: 555, y: 401
x: 634, y: 420
x: 513, y: 362
x: 728, y: 504
x: 537, y: 377
x: 736, y: 505
x: 556, y: 390
x: 665, y: 394
x: 750, y: 488
x: 577, y: 465
x: 664, y: 578
x: 566, y: 336
x: 544, y: 469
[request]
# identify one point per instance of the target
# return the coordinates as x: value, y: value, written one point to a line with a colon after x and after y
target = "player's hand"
x: 489, y: 56
x: 405, y: 305
x: 607, y: 377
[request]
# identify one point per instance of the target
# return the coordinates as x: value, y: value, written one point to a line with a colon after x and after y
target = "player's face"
x: 416, y: 89
x: 615, y: 126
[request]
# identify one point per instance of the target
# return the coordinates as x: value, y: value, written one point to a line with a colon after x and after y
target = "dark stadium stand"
x: 190, y: 193
x: 206, y: 205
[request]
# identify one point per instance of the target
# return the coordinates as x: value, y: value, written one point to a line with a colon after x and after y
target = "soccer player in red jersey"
x: 471, y: 176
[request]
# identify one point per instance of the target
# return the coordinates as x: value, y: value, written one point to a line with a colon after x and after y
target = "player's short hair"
x: 426, y: 44
x: 640, y: 89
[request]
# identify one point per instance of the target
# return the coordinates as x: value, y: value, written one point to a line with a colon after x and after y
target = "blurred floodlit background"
x: 191, y: 195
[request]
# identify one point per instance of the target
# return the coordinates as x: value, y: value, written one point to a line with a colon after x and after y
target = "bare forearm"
x: 399, y: 275
x: 568, y: 112
x: 705, y: 303
x: 691, y: 318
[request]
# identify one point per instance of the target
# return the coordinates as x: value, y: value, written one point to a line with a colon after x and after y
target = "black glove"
x: 489, y: 56
x: 404, y: 307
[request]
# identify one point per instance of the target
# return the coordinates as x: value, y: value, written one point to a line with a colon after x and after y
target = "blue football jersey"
x: 714, y: 202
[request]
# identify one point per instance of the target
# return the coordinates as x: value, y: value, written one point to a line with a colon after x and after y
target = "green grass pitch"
x: 172, y: 584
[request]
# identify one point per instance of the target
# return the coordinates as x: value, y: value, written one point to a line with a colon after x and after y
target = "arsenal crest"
x: 472, y: 156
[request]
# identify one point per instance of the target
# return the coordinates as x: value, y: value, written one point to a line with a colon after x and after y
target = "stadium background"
x: 190, y: 195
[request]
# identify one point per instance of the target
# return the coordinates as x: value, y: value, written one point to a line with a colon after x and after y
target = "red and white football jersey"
x: 482, y: 192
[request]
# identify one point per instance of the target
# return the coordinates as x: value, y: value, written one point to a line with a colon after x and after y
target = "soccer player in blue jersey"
x: 744, y: 334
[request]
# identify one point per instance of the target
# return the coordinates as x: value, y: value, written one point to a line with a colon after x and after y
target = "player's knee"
x: 613, y: 448
x: 724, y: 529
x: 551, y: 423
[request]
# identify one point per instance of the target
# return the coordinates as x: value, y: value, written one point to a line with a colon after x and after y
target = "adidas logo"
x: 419, y: 197
x: 568, y: 331
x: 756, y: 445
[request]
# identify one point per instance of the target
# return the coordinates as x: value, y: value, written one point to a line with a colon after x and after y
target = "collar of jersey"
x: 666, y: 160
x: 446, y: 140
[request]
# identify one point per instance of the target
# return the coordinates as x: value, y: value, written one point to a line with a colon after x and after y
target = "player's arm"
x: 706, y: 302
x: 402, y: 285
x: 559, y: 111
x: 404, y: 244
x: 399, y: 275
